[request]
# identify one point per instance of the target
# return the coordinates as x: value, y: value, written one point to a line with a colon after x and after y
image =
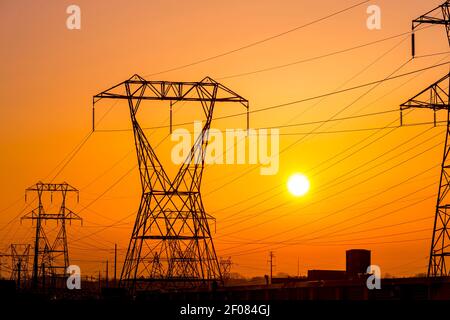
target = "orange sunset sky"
x: 372, y: 189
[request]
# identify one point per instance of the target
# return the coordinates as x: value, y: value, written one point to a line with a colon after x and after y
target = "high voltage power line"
x: 264, y: 248
x: 241, y: 241
x: 336, y: 183
x: 252, y: 44
x: 346, y: 189
x: 286, y: 104
x: 333, y: 157
x: 342, y: 151
x: 360, y: 129
x: 291, y: 243
x: 312, y: 131
x: 285, y: 65
x: 365, y: 213
x: 361, y: 166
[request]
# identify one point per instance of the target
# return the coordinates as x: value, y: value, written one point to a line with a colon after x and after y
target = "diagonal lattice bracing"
x: 20, y: 254
x: 171, y: 243
x: 436, y: 97
x: 51, y: 254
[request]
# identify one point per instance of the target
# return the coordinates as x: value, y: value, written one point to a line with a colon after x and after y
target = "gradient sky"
x: 49, y: 75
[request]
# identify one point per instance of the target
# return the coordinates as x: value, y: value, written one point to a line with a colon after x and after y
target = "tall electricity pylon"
x: 51, y: 258
x: 20, y: 254
x: 171, y: 243
x: 225, y: 267
x: 436, y: 97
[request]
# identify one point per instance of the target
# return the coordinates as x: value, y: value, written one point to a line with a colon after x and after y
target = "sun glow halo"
x: 298, y: 185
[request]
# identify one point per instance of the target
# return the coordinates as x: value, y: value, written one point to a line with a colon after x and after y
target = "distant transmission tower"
x: 436, y: 97
x: 51, y: 258
x: 225, y: 267
x: 171, y: 243
x: 20, y: 254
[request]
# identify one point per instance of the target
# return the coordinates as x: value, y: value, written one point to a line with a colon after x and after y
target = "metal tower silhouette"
x: 436, y: 97
x: 225, y: 268
x: 51, y: 258
x: 171, y: 243
x: 20, y: 254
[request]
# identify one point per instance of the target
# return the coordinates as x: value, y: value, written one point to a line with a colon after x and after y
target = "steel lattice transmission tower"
x: 20, y: 254
x: 171, y: 243
x: 436, y: 97
x: 51, y: 256
x: 225, y: 267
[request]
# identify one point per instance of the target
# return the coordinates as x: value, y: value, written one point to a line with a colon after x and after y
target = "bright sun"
x: 298, y: 185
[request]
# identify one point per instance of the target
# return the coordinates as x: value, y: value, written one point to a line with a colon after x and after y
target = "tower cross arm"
x: 431, y: 19
x: 141, y: 89
x: 52, y: 187
x: 434, y: 97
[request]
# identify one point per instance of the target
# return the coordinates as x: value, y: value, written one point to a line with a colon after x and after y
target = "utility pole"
x: 271, y: 257
x: 50, y: 256
x: 436, y: 97
x: 171, y: 243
